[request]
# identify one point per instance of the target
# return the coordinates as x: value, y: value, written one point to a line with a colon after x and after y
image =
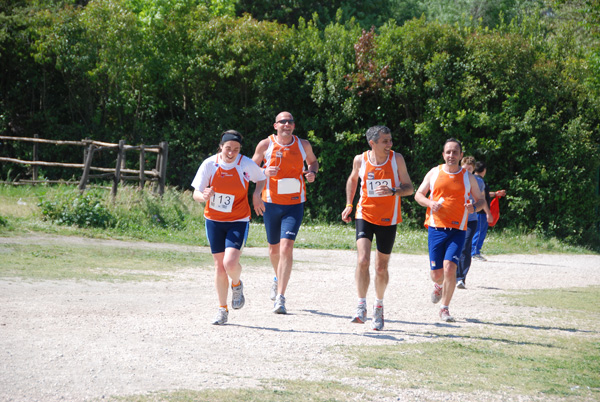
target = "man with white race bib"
x: 222, y: 184
x: 280, y: 199
x: 384, y: 180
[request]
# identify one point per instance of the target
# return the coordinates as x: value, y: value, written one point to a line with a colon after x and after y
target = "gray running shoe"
x: 361, y: 314
x: 445, y: 315
x: 279, y: 307
x: 237, y: 296
x: 274, y: 290
x: 436, y: 295
x: 377, y: 323
x: 221, y: 317
x: 479, y: 257
x: 461, y: 284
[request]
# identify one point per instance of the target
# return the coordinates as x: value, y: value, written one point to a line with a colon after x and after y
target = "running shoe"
x: 436, y: 295
x: 361, y: 314
x: 377, y: 323
x: 279, y: 307
x: 237, y: 296
x: 479, y: 257
x: 221, y: 317
x: 274, y: 290
x: 461, y: 284
x: 445, y: 315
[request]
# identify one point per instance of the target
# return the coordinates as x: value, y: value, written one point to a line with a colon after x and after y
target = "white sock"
x: 379, y: 302
x: 362, y: 300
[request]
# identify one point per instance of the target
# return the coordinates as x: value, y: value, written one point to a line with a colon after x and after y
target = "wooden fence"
x: 118, y: 173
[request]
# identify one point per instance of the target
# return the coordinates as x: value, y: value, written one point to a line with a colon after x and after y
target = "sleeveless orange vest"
x: 378, y: 210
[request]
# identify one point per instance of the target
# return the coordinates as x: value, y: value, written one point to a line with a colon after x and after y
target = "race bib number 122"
x: 373, y: 184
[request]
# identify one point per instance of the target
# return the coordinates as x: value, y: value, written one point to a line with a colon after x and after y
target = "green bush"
x: 87, y: 210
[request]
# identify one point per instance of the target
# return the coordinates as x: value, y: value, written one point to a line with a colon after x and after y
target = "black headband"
x: 229, y: 136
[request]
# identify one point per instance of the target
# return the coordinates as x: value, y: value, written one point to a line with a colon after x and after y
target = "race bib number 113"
x: 222, y: 202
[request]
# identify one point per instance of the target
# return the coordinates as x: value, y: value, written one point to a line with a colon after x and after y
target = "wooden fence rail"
x: 156, y: 175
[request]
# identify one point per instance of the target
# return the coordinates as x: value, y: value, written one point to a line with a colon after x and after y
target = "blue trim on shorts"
x: 445, y: 244
x: 282, y: 221
x: 222, y: 235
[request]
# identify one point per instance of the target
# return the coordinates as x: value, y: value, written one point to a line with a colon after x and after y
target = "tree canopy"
x: 518, y: 82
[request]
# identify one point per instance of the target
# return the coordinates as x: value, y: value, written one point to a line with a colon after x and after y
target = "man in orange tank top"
x: 280, y: 199
x: 448, y: 206
x: 383, y: 180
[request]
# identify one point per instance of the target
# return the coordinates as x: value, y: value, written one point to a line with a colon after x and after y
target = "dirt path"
x: 82, y: 340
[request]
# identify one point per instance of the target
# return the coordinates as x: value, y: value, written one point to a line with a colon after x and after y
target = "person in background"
x: 464, y: 264
x: 221, y: 183
x: 384, y: 180
x: 280, y: 199
x: 448, y: 206
x: 482, y: 221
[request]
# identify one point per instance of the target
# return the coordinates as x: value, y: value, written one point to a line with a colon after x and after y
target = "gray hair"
x: 374, y: 132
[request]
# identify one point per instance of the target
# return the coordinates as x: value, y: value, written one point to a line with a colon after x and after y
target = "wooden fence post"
x: 142, y: 166
x: 86, y: 167
x: 162, y: 169
x: 35, y: 158
x: 117, y: 177
x: 123, y: 164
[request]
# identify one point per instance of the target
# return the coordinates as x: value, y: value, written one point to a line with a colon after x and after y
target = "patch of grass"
x: 175, y: 218
x: 325, y: 237
x: 562, y: 366
x: 527, y: 360
x: 280, y: 391
x: 566, y: 305
x: 572, y: 299
x: 99, y: 263
x: 515, y: 241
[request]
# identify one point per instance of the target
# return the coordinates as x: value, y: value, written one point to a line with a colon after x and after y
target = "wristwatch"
x: 393, y: 190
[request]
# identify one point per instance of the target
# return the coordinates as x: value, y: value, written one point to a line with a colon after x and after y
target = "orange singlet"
x: 378, y: 210
x: 230, y: 202
x: 287, y: 187
x: 452, y: 190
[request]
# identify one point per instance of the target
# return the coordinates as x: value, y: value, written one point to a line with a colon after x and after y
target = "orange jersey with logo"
x: 375, y: 209
x: 287, y: 187
x: 452, y: 190
x: 230, y: 202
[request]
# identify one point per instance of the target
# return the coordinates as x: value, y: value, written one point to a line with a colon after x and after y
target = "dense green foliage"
x: 524, y: 96
x: 84, y: 210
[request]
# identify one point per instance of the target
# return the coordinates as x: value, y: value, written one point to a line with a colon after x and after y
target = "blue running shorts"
x: 282, y: 221
x: 445, y: 244
x: 222, y: 235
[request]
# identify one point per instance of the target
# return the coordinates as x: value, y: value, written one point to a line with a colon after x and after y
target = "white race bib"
x: 222, y: 202
x: 373, y: 184
x: 288, y: 186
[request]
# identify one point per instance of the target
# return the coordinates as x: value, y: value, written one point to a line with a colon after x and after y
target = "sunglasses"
x: 286, y: 121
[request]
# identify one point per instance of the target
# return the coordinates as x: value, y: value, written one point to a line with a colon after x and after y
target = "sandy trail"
x: 82, y: 340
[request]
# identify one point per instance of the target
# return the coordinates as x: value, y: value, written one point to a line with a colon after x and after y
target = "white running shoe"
x: 361, y: 314
x: 461, y: 284
x: 221, y: 317
x: 436, y: 295
x: 445, y: 315
x: 237, y: 296
x: 279, y: 307
x: 377, y: 323
x: 274, y: 290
